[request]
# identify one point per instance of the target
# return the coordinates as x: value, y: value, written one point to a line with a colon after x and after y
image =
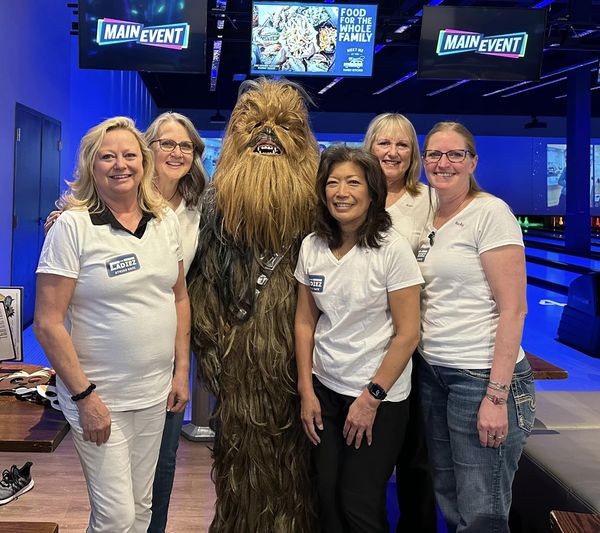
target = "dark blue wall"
x: 40, y: 70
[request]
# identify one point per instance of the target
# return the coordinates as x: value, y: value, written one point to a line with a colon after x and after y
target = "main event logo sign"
x: 511, y: 45
x: 113, y: 31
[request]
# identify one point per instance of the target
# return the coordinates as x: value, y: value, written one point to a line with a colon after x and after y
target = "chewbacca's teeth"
x: 267, y: 149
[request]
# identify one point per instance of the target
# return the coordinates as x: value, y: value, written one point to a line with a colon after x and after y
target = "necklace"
x: 437, y: 219
x: 173, y: 195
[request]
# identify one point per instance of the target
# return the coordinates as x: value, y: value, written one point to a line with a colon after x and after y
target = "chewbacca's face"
x: 265, y: 176
x: 271, y: 122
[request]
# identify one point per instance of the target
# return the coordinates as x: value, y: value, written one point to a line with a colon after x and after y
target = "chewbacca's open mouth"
x: 266, y: 143
x: 267, y: 148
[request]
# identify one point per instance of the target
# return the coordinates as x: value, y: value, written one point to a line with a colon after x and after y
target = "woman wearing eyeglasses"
x: 392, y: 139
x: 475, y: 383
x: 180, y: 178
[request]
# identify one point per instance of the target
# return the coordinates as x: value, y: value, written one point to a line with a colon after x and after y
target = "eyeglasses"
x: 168, y: 145
x: 454, y: 156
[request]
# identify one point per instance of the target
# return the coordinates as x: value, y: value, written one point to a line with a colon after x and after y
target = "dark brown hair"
x: 378, y: 220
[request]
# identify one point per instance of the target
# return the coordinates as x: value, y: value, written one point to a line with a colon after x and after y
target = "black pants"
x: 352, y: 483
x: 414, y: 480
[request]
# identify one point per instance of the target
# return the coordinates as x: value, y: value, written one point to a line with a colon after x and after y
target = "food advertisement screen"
x: 298, y: 39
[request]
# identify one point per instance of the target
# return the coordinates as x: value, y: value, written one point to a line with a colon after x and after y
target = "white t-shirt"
x: 355, y: 327
x: 411, y: 213
x: 459, y: 315
x: 189, y: 222
x: 121, y: 317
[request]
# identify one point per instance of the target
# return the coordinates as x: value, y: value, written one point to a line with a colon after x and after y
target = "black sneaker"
x: 15, y: 482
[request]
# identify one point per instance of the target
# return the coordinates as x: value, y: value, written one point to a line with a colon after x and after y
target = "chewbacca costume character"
x: 243, y: 295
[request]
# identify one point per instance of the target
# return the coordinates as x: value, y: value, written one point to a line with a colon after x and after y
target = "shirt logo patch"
x: 317, y: 283
x: 122, y: 265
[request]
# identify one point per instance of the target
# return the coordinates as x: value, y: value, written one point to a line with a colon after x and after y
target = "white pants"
x: 120, y: 472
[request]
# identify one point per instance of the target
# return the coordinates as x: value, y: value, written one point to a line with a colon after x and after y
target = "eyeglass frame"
x: 159, y: 141
x: 465, y: 151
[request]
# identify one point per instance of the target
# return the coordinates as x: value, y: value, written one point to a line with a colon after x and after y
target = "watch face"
x: 376, y: 391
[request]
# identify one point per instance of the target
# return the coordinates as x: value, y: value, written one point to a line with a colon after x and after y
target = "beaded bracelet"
x: 496, y: 400
x: 498, y: 386
x: 86, y: 392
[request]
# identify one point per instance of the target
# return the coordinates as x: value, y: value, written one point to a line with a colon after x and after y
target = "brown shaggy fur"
x: 257, y: 205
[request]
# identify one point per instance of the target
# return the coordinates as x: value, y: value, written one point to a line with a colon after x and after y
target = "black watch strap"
x: 376, y: 391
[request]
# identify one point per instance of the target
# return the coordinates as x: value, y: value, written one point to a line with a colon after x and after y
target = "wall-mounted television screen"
x: 481, y: 43
x: 146, y: 35
x: 301, y: 39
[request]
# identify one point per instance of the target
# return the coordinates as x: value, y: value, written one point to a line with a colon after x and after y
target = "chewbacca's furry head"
x: 266, y: 173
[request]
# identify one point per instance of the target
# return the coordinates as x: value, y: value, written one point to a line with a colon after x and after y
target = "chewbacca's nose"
x: 268, y: 131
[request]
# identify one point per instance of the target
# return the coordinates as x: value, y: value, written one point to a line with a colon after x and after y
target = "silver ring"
x: 490, y: 436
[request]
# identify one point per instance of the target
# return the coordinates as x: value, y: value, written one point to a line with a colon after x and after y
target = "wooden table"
x: 28, y: 527
x: 567, y: 522
x: 543, y: 369
x: 26, y: 426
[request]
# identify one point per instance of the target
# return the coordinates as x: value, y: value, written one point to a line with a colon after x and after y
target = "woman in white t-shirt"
x: 180, y: 178
x: 475, y: 383
x: 112, y: 315
x: 357, y: 324
x: 392, y: 139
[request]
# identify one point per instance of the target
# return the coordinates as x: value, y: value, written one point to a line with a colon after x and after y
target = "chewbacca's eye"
x: 286, y: 128
x: 257, y: 125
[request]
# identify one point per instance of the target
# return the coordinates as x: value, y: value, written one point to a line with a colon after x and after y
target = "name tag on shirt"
x: 422, y: 252
x: 122, y: 265
x: 317, y: 282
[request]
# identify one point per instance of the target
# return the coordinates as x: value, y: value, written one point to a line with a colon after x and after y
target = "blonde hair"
x: 457, y: 127
x: 82, y: 190
x: 192, y: 184
x: 396, y: 123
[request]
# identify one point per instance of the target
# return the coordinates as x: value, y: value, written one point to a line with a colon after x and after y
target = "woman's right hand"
x: 310, y: 411
x: 94, y: 418
x: 50, y: 220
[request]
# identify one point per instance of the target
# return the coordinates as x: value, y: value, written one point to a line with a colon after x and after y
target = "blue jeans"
x: 473, y: 484
x: 165, y: 472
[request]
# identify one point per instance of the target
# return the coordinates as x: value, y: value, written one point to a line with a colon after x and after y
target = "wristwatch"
x: 376, y: 391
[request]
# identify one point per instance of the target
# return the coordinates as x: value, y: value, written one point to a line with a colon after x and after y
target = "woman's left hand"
x: 360, y: 419
x: 492, y: 424
x: 180, y: 393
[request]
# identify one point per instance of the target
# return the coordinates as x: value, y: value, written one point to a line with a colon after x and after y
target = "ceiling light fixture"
x: 564, y: 95
x: 443, y: 89
x: 534, y: 87
x: 545, y: 76
x: 397, y: 82
x: 330, y: 85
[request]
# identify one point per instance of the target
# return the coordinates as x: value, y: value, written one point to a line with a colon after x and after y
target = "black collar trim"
x: 106, y: 217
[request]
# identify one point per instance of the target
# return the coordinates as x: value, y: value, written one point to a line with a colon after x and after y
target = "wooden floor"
x: 60, y: 495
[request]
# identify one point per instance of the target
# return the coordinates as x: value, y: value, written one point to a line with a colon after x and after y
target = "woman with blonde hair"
x: 392, y: 139
x: 475, y: 382
x: 112, y: 315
